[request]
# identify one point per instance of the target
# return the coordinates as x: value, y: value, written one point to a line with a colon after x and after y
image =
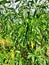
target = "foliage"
x: 24, y: 35
x: 24, y: 42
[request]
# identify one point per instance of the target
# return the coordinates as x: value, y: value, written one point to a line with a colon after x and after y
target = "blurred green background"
x: 24, y: 32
